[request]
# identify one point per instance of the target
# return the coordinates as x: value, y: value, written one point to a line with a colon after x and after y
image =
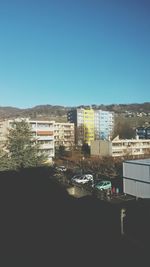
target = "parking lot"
x: 82, y: 187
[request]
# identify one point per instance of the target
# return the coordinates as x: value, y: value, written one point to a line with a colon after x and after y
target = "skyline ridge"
x: 144, y: 104
x: 76, y: 106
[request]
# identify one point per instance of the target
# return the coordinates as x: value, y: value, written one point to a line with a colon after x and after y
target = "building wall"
x: 120, y: 148
x: 136, y: 188
x: 132, y: 147
x: 148, y: 133
x: 76, y: 116
x: 43, y: 132
x: 88, y: 123
x: 104, y: 124
x: 136, y: 178
x: 48, y: 134
x: 101, y: 148
x: 64, y: 135
x: 91, y: 124
x: 79, y: 126
x: 72, y: 116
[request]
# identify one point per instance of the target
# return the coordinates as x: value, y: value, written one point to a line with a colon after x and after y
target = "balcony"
x: 44, y: 138
x: 46, y: 146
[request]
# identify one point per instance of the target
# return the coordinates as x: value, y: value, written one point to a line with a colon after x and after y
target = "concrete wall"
x: 101, y: 148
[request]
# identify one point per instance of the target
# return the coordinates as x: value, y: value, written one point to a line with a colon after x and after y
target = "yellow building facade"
x: 88, y: 124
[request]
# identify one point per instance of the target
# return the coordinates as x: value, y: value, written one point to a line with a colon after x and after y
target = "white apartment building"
x: 64, y: 135
x: 132, y: 147
x: 43, y: 132
x: 121, y: 147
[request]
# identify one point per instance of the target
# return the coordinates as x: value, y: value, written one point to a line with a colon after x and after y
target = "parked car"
x: 61, y: 168
x: 82, y: 179
x: 103, y: 185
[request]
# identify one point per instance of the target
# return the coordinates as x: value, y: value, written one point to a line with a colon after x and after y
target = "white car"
x: 61, y: 168
x: 82, y: 179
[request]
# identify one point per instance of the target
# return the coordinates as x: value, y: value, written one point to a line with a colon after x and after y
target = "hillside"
x: 59, y: 113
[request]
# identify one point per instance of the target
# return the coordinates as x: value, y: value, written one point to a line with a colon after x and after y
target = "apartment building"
x: 121, y: 147
x: 91, y: 124
x: 133, y: 147
x: 76, y: 116
x: 64, y: 135
x: 104, y: 124
x: 88, y: 125
x: 43, y: 132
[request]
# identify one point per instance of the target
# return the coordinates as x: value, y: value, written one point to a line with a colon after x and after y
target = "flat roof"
x: 139, y: 161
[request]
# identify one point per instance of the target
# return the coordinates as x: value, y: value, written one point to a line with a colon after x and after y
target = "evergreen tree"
x: 4, y: 160
x: 22, y: 147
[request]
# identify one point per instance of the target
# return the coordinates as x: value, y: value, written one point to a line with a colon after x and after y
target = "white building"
x: 136, y: 178
x: 43, y: 132
x: 121, y: 147
x: 64, y: 135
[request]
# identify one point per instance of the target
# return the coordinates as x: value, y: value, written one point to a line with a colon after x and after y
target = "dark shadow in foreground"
x: 42, y: 225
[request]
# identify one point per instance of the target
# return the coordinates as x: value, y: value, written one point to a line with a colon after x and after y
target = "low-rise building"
x: 120, y: 147
x: 101, y: 148
x: 136, y: 178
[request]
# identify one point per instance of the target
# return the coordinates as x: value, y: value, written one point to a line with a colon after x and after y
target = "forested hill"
x: 59, y: 112
x: 37, y: 112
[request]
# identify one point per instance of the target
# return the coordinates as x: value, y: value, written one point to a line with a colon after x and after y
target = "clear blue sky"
x: 73, y: 52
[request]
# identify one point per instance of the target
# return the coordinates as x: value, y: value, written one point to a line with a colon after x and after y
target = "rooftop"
x: 139, y: 161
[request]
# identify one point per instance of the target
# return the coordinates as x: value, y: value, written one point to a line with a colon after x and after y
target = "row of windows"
x: 41, y: 125
x: 45, y: 142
